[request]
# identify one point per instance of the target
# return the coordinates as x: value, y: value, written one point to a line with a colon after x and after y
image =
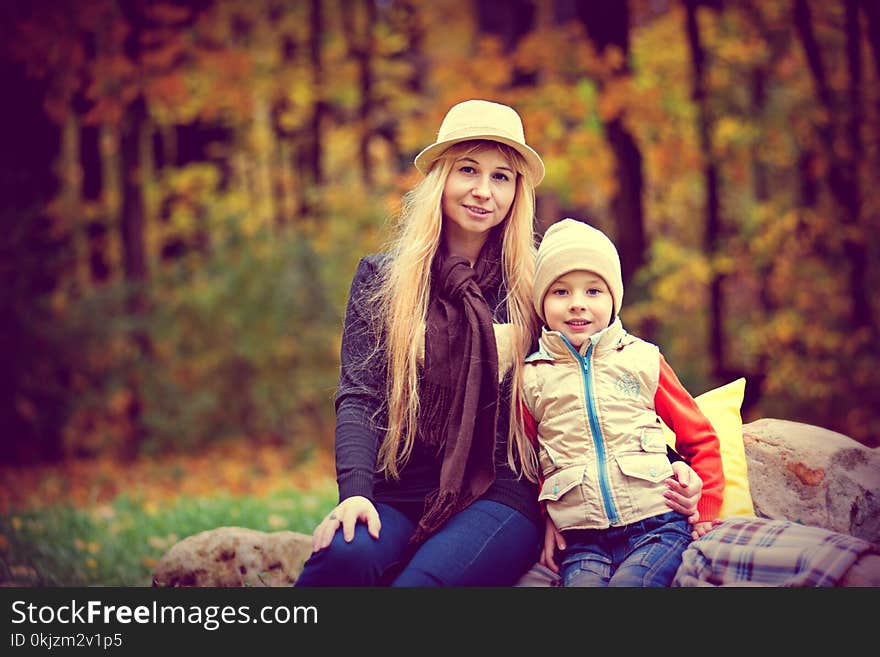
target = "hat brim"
x: 428, y: 156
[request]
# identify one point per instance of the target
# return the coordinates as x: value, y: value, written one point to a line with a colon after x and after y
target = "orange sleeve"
x: 695, y: 438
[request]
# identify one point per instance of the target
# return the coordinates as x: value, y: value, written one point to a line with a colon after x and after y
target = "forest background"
x: 187, y: 188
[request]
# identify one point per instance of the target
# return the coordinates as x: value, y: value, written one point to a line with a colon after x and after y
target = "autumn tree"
x: 211, y: 172
x: 608, y: 25
x: 713, y: 234
x: 839, y: 132
x: 35, y: 257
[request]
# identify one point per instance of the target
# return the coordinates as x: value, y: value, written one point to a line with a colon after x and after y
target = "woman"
x: 436, y: 478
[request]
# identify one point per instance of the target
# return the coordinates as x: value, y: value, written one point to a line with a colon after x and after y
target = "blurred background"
x: 186, y: 189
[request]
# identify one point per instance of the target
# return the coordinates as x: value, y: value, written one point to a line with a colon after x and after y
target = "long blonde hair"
x: 402, y: 301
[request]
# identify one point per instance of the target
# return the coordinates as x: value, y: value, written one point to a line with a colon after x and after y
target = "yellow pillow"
x: 722, y: 407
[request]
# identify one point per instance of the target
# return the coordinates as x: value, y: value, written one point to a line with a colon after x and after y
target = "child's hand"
x: 552, y: 540
x: 703, y: 528
x: 684, y: 490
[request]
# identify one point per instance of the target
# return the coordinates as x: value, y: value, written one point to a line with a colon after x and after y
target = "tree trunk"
x: 71, y: 175
x: 855, y: 248
x: 713, y: 229
x: 404, y: 18
x: 311, y: 165
x: 510, y: 21
x: 133, y: 208
x: 415, y: 38
x: 264, y: 208
x: 361, y: 47
x: 286, y: 180
x: 104, y: 265
x: 872, y: 12
x: 33, y: 407
x: 607, y: 25
x: 133, y: 229
x: 843, y: 175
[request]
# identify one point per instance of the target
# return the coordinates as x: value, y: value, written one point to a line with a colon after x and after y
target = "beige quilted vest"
x: 602, y: 448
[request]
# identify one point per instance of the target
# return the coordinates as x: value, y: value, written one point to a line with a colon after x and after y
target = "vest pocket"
x: 558, y: 484
x: 568, y: 503
x: 651, y: 467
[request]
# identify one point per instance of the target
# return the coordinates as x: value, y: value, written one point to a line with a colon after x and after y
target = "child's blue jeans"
x: 486, y: 544
x: 644, y: 553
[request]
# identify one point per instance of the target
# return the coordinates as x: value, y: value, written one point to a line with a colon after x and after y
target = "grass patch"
x: 120, y: 542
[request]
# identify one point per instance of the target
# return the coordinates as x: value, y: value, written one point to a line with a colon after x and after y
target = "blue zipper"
x: 595, y: 430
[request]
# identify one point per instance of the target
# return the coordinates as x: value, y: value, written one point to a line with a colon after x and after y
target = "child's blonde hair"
x: 402, y: 301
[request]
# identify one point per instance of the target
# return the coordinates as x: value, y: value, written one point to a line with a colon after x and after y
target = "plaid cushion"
x: 761, y: 552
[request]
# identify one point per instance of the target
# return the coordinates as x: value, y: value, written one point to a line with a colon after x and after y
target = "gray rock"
x: 234, y: 556
x: 813, y: 476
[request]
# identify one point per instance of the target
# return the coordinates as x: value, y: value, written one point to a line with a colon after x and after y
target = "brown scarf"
x: 459, y: 389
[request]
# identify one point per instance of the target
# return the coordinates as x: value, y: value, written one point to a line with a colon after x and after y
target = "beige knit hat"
x: 481, y: 119
x: 568, y: 245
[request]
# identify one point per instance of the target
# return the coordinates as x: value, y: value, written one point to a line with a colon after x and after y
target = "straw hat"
x: 481, y: 119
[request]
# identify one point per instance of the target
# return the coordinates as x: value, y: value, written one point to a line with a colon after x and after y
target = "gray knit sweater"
x: 361, y: 415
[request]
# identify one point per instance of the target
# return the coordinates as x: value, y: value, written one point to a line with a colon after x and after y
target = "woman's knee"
x: 360, y: 562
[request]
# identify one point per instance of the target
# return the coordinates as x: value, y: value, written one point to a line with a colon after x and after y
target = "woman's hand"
x: 552, y: 540
x: 347, y: 514
x: 684, y: 491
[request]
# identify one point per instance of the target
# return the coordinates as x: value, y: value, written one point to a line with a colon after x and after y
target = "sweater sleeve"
x: 360, y: 393
x: 695, y: 438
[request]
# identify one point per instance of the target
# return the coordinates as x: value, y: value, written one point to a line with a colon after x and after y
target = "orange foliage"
x: 249, y: 67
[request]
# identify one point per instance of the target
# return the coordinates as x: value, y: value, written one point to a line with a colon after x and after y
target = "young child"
x: 596, y: 395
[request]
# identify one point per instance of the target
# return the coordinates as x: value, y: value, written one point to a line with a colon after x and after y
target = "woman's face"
x: 477, y: 196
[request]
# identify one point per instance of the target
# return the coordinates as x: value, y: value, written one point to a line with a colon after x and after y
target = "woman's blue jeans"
x: 644, y: 553
x: 486, y: 544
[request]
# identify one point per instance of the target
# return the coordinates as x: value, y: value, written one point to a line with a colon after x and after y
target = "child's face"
x: 578, y: 304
